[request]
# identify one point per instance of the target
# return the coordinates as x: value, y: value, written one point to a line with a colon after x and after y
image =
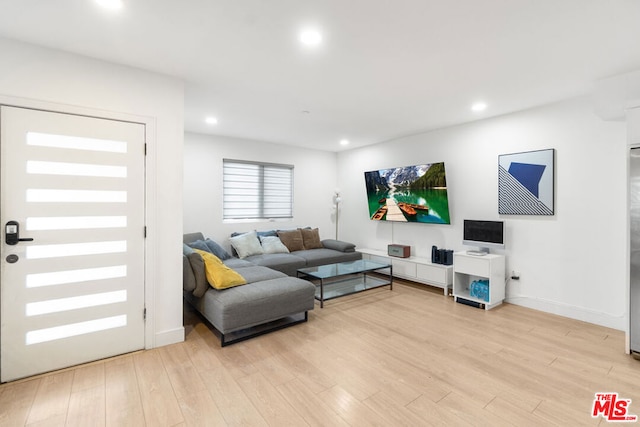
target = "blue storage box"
x: 480, y: 289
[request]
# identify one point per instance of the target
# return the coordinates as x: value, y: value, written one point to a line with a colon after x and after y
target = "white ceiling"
x: 385, y: 68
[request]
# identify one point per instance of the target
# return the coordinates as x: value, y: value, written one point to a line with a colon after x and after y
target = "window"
x: 255, y: 190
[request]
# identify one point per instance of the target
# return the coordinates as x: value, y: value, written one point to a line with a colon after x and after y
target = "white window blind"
x: 255, y: 190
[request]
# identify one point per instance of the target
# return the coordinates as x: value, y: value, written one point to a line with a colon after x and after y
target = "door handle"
x: 12, y: 234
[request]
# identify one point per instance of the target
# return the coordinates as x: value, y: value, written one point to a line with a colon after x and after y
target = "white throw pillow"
x: 246, y: 244
x: 273, y: 245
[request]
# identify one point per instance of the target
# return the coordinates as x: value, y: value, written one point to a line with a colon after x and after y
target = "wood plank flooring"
x: 407, y: 357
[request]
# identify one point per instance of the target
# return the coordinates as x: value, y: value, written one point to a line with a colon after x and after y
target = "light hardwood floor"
x: 407, y: 357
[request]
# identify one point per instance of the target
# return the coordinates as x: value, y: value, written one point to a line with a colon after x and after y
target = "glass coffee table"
x: 346, y: 278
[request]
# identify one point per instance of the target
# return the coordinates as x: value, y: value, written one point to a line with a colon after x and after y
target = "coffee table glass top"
x: 346, y: 278
x: 342, y: 269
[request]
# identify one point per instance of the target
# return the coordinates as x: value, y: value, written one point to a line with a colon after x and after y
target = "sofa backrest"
x: 192, y: 237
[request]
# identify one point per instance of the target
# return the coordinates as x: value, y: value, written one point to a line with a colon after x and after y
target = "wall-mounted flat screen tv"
x: 408, y: 194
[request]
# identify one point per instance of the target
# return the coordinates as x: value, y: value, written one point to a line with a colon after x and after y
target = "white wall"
x: 314, y: 185
x: 572, y: 263
x: 43, y: 78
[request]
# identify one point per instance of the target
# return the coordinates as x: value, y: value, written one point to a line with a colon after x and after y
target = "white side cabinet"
x: 467, y: 268
x: 416, y: 269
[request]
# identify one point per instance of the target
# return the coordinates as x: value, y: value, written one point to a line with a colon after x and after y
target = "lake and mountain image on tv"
x: 408, y: 194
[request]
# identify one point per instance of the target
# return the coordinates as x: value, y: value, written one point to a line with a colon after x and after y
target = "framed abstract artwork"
x: 526, y: 183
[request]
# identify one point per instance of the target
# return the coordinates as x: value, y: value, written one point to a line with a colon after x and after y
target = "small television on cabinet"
x: 483, y: 235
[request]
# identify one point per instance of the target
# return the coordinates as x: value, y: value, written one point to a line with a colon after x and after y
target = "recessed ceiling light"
x: 110, y: 4
x: 211, y: 120
x: 344, y: 142
x: 479, y: 106
x: 310, y: 37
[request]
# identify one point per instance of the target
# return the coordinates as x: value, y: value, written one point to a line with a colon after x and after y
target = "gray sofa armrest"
x: 193, y: 275
x: 188, y: 278
x: 192, y: 237
x: 339, y: 245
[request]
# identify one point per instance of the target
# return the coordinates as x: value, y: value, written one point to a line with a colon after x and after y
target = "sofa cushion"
x: 286, y: 263
x: 273, y: 245
x: 246, y: 244
x: 219, y: 275
x: 257, y: 273
x: 292, y: 239
x: 237, y: 263
x: 311, y: 238
x: 217, y: 250
x: 315, y: 257
x: 256, y: 303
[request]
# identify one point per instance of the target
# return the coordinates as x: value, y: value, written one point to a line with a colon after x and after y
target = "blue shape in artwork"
x: 528, y: 175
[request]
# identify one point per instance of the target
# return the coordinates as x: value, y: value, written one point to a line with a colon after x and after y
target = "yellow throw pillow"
x: 219, y: 275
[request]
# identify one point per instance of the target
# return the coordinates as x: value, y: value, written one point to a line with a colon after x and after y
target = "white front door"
x: 75, y: 293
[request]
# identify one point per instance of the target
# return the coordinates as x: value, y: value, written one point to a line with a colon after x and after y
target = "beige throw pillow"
x: 292, y: 240
x: 311, y: 238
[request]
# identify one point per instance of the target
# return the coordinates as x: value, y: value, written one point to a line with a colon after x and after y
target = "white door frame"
x: 150, y: 257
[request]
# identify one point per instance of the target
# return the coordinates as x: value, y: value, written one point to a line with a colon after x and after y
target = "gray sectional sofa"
x: 272, y: 298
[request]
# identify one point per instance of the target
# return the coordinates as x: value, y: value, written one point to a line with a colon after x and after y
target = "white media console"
x: 416, y: 269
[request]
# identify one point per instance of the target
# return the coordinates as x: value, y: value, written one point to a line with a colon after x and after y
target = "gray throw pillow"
x: 217, y: 250
x: 199, y: 244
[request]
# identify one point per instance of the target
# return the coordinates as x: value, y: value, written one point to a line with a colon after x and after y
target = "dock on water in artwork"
x: 393, y: 211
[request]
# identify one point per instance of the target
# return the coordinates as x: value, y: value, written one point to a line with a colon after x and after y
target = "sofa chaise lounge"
x: 270, y: 299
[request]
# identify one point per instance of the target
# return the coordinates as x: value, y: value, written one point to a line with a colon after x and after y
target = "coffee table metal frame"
x: 346, y: 278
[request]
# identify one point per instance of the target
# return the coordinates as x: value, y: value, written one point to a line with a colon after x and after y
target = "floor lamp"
x: 336, y: 202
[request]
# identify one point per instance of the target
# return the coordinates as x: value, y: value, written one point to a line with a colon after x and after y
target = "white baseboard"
x: 169, y: 337
x: 619, y: 322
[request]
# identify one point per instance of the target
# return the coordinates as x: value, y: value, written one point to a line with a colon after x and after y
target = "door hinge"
x: 145, y: 231
x: 145, y: 148
x: 144, y: 314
